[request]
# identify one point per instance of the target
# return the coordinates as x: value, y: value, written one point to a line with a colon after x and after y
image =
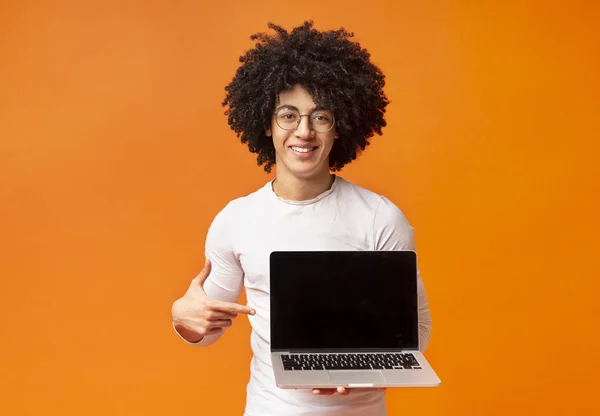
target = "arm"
x: 393, y: 232
x: 225, y: 281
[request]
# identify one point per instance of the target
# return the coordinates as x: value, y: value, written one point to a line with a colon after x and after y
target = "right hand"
x: 195, y: 315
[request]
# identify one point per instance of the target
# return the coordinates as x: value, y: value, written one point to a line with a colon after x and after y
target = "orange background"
x: 115, y: 155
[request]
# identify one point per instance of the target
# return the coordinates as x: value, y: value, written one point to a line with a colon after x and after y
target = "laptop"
x: 346, y: 318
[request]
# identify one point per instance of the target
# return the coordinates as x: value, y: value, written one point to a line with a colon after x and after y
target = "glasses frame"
x: 300, y: 120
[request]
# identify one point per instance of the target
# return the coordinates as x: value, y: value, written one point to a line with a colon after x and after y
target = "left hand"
x: 341, y: 390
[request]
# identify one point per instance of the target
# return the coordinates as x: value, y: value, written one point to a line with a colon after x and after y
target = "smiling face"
x: 301, y: 152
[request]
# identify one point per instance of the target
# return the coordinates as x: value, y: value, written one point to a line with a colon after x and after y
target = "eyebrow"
x: 317, y: 108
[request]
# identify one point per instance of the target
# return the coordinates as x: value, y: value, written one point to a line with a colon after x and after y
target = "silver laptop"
x: 346, y: 318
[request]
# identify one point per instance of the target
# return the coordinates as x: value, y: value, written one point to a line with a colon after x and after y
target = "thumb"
x: 204, y: 273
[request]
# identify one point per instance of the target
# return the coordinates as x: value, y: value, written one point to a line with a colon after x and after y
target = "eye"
x: 288, y: 116
x: 321, y: 118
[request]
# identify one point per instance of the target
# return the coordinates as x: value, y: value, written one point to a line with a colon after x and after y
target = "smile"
x: 303, y: 149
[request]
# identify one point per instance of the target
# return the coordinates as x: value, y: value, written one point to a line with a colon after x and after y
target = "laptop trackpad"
x: 356, y: 377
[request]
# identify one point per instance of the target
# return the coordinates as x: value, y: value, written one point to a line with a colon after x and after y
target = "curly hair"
x: 335, y: 71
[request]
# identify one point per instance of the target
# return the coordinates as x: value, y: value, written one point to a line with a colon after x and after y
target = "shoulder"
x: 389, y: 212
x: 391, y: 229
x: 375, y: 202
x: 237, y: 209
x: 357, y: 195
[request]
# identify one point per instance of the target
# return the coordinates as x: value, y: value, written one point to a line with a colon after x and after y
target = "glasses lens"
x: 320, y: 121
x: 287, y: 119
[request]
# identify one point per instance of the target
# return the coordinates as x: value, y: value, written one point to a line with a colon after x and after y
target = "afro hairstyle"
x: 336, y: 72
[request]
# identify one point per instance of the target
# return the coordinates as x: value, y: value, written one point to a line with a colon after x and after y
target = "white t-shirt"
x: 248, y: 229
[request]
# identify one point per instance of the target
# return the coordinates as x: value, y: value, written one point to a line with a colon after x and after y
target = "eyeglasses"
x: 320, y: 121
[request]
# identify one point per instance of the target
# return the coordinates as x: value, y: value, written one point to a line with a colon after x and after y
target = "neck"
x: 297, y: 189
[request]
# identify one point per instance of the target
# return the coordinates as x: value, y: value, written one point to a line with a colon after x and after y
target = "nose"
x: 304, y: 130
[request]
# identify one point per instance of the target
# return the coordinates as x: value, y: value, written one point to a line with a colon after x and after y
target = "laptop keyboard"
x: 379, y: 361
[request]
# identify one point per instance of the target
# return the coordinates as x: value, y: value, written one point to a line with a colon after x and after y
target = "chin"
x: 307, y: 172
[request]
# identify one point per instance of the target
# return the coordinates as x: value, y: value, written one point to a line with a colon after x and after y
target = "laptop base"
x: 423, y: 376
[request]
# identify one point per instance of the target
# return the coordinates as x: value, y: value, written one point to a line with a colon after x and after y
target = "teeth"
x: 302, y: 149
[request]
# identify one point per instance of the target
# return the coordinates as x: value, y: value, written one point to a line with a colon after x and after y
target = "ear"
x: 337, y: 136
x: 268, y: 133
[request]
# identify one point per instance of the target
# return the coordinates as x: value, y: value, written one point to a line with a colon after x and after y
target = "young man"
x: 306, y: 102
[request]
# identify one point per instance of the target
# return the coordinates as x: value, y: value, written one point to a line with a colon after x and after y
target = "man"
x: 306, y: 102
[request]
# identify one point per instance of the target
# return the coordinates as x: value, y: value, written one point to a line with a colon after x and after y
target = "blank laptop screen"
x: 351, y: 300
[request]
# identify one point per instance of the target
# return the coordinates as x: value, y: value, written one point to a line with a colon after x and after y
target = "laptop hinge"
x: 341, y: 350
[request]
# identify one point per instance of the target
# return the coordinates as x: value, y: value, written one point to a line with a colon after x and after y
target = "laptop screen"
x: 349, y: 300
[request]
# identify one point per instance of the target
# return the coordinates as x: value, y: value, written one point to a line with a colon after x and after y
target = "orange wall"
x: 115, y: 155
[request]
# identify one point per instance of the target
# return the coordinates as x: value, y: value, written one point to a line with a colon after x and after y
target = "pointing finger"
x: 230, y: 307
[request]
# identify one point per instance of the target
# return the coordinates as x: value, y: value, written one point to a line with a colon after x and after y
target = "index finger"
x: 229, y: 307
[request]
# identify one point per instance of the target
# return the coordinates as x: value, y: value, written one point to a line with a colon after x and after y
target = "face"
x: 302, y: 151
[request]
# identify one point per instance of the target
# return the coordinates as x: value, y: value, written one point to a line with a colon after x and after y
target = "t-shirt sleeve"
x: 226, y: 278
x: 392, y: 231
